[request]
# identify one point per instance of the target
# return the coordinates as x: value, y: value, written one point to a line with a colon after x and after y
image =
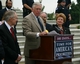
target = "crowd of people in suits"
x: 9, y: 48
x: 32, y: 28
x: 34, y: 25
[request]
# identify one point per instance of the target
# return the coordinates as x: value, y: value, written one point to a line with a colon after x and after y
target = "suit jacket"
x: 30, y: 29
x: 2, y: 53
x: 57, y: 29
x: 2, y: 13
x: 10, y: 45
x: 48, y: 27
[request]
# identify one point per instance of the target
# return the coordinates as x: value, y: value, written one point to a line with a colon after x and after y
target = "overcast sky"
x: 50, y: 5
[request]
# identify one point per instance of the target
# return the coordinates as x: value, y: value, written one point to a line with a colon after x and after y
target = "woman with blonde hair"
x: 59, y: 28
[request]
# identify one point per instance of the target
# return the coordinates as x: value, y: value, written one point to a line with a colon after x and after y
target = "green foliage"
x: 50, y: 16
x: 75, y: 12
x: 78, y: 27
x: 78, y: 1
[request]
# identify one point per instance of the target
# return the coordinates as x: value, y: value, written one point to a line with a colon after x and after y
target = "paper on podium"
x: 53, y: 32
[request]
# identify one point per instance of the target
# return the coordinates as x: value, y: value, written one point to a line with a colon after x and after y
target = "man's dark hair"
x: 7, y: 1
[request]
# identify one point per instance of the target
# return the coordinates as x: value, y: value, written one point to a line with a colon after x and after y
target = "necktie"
x: 61, y: 31
x: 40, y: 23
x: 12, y: 32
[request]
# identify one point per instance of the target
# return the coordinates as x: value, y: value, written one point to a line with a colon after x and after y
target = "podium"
x: 54, y: 49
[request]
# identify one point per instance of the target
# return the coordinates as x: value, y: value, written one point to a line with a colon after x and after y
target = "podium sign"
x: 63, y: 47
x: 54, y: 49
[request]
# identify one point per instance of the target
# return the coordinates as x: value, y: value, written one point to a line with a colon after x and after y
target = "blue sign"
x: 63, y: 47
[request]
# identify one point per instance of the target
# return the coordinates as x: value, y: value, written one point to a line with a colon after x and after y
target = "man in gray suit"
x: 32, y: 30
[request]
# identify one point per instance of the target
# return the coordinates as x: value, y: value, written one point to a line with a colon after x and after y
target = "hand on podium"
x: 43, y: 33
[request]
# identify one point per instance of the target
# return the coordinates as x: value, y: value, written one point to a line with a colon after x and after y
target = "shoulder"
x: 3, y: 26
x: 28, y: 20
x: 2, y: 29
x: 28, y: 17
x: 48, y: 24
x: 67, y: 30
x: 3, y: 10
x: 59, y: 7
x: 54, y: 25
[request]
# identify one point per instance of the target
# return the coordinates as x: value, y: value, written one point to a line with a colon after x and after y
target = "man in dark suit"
x: 2, y: 53
x: 32, y: 30
x: 27, y: 6
x: 8, y: 37
x: 44, y: 17
x: 8, y: 6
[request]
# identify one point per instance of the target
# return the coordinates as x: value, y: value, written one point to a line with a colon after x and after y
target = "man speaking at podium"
x: 33, y: 27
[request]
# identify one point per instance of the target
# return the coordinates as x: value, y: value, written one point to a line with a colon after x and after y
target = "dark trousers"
x: 26, y: 12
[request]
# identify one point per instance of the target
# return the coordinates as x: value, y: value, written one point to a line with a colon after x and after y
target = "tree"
x: 78, y: 1
x: 75, y: 12
x: 50, y: 16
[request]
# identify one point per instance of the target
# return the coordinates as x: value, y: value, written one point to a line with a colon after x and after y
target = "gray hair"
x: 36, y: 4
x: 8, y: 14
x: 44, y: 12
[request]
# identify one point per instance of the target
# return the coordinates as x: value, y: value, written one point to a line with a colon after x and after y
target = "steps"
x: 73, y: 29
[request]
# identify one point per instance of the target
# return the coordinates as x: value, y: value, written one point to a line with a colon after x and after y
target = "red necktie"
x: 61, y: 31
x: 12, y: 32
